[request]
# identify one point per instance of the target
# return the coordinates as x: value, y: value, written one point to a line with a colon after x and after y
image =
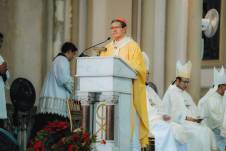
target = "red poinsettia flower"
x: 51, y: 124
x: 76, y: 140
x: 103, y: 141
x: 56, y: 126
x: 38, y: 146
x: 47, y: 129
x: 61, y: 123
x: 75, y: 137
x: 70, y: 147
x: 85, y: 137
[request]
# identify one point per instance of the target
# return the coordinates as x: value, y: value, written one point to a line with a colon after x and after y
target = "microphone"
x: 82, y: 53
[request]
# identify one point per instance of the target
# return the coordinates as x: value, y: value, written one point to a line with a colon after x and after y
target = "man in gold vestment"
x: 127, y: 49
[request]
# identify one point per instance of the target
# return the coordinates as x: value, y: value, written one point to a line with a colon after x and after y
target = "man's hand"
x: 166, y: 117
x: 3, y: 68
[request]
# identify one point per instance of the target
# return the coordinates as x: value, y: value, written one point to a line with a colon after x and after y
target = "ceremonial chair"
x: 74, y: 113
x: 151, y: 138
x: 151, y: 143
x: 151, y: 146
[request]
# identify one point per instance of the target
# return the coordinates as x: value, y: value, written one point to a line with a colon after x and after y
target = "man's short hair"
x: 220, y: 85
x: 68, y: 46
x: 177, y: 78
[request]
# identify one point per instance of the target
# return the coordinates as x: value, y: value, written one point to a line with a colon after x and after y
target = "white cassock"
x: 179, y: 104
x: 169, y: 136
x: 212, y: 107
x: 3, y: 111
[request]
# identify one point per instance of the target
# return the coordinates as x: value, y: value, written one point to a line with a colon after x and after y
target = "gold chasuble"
x: 128, y: 50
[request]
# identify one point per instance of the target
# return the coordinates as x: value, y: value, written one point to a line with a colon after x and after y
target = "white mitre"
x: 183, y: 71
x: 146, y: 61
x: 219, y: 77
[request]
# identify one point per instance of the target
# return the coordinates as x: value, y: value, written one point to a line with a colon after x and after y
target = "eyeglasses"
x: 185, y: 81
x: 115, y: 27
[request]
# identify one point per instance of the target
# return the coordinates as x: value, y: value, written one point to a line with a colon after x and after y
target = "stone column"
x: 97, y: 24
x: 176, y: 37
x: 194, y: 46
x: 62, y: 23
x: 82, y: 35
x: 153, y: 39
x: 158, y: 55
x: 136, y: 20
x: 59, y: 14
x: 147, y: 28
x: 25, y: 33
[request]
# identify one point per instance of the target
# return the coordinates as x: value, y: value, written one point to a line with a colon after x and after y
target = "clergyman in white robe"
x: 179, y: 105
x: 213, y: 112
x: 212, y: 107
x: 169, y: 136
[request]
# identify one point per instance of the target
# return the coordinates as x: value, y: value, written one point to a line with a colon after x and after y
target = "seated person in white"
x: 168, y: 135
x: 178, y: 104
x: 212, y: 108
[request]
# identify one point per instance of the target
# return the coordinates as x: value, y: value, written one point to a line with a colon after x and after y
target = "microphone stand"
x: 82, y: 53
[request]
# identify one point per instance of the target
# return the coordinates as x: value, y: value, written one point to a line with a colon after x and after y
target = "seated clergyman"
x: 169, y: 136
x: 212, y: 108
x: 178, y: 104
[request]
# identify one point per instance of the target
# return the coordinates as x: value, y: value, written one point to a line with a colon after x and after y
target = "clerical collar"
x: 117, y: 45
x: 120, y: 43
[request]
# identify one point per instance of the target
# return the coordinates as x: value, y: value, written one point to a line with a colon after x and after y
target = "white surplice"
x: 179, y: 104
x: 57, y: 88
